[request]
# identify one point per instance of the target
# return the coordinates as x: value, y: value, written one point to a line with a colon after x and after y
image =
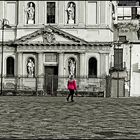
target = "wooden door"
x: 51, y: 80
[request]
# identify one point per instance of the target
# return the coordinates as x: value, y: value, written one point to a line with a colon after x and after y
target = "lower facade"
x: 49, y: 72
x: 43, y: 61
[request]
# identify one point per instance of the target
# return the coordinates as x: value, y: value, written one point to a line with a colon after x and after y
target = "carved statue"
x: 30, y: 68
x: 30, y: 13
x: 71, y: 13
x: 71, y: 66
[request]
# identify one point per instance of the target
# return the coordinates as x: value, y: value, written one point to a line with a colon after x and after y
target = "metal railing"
x: 52, y: 85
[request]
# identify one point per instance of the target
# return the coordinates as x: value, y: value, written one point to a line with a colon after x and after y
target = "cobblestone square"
x: 55, y: 118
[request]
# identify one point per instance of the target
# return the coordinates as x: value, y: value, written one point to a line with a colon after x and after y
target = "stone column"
x: 81, y: 12
x: 82, y: 64
x: 107, y: 64
x: 20, y: 70
x: 40, y: 75
x: 82, y: 70
x: 103, y: 71
x: 61, y: 71
x: 102, y: 65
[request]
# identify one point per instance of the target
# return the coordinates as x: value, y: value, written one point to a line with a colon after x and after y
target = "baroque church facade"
x: 50, y: 40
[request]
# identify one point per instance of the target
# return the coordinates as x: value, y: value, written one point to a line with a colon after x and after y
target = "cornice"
x: 64, y: 48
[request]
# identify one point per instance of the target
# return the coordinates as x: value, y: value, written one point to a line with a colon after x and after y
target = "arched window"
x: 71, y: 13
x: 92, y: 71
x: 10, y: 66
x: 30, y: 13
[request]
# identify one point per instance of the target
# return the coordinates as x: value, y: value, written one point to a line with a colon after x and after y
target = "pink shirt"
x: 72, y: 85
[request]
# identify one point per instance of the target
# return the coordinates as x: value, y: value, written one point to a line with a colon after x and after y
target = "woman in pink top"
x: 71, y: 87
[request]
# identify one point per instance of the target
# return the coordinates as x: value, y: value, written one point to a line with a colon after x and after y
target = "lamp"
x: 5, y: 23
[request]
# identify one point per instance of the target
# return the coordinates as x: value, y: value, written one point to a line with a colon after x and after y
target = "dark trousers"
x: 71, y: 94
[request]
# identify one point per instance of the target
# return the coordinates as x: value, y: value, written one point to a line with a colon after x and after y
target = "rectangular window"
x: 50, y: 57
x: 92, y: 13
x: 50, y: 12
x: 122, y: 38
x: 128, y: 3
x: 134, y: 12
x: 11, y: 12
x: 124, y: 13
x: 118, y: 59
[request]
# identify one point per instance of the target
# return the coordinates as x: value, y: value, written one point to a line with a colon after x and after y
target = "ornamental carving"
x: 126, y: 26
x: 48, y: 36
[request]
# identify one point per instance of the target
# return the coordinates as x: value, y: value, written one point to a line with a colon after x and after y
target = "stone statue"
x: 30, y: 68
x: 30, y: 13
x: 71, y: 13
x: 71, y: 66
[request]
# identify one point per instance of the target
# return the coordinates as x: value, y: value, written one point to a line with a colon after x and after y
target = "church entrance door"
x: 51, y: 80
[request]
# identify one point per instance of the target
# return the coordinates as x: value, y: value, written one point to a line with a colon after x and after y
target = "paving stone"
x: 53, y: 117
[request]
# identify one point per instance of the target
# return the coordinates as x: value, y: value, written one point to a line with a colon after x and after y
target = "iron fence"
x: 52, y: 85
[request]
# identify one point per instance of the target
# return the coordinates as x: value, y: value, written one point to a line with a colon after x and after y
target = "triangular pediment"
x: 49, y: 34
x: 36, y: 39
x: 58, y: 38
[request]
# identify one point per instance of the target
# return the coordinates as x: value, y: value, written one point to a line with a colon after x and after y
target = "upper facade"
x: 75, y: 17
x: 128, y: 10
x: 128, y: 15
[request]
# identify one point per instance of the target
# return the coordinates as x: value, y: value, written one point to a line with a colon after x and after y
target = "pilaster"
x: 40, y: 72
x: 82, y: 64
x: 20, y: 69
x: 61, y: 71
x: 82, y: 70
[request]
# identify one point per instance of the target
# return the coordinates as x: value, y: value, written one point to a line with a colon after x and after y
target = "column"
x: 103, y: 72
x: 40, y: 64
x: 61, y: 71
x: 82, y: 70
x: 40, y: 75
x: 102, y: 12
x: 81, y: 12
x: 20, y: 70
x: 102, y: 69
x: 61, y: 13
x: 82, y: 64
x: 107, y: 64
x: 61, y: 65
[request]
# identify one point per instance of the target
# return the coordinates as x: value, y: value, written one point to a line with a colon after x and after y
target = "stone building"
x: 127, y: 54
x: 50, y: 40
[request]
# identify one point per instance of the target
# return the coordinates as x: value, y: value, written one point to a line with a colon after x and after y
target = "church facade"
x: 50, y: 40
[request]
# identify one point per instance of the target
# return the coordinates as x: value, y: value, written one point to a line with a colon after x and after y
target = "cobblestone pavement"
x: 55, y: 118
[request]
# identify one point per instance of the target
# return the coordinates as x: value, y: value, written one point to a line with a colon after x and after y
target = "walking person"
x: 72, y: 86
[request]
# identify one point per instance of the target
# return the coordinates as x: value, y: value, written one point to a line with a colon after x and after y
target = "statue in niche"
x: 30, y: 67
x: 30, y: 13
x: 71, y: 13
x: 71, y: 66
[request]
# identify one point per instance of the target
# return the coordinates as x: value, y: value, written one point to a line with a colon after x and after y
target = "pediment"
x: 49, y: 34
x: 58, y: 38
